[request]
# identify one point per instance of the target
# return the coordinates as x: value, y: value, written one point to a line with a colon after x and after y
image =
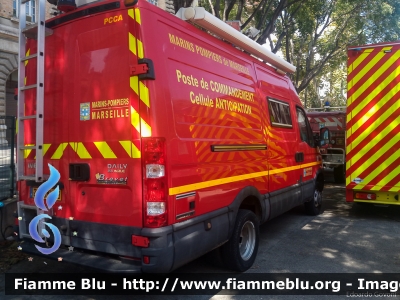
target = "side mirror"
x: 325, y: 137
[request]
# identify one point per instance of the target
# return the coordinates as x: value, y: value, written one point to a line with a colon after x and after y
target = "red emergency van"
x: 170, y: 142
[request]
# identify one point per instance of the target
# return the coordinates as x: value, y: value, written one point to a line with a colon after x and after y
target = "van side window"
x: 279, y: 113
x: 305, y: 129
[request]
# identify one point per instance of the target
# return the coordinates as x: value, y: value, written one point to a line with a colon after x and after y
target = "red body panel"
x: 79, y: 73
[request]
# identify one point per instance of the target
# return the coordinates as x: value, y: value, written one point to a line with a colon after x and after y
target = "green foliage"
x: 314, y: 35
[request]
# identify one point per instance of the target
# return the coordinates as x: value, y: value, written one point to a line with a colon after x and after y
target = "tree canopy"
x: 313, y: 35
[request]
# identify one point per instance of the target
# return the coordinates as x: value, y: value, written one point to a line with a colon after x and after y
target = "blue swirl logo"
x: 50, y: 201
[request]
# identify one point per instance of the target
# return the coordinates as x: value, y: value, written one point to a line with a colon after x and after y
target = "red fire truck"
x: 169, y: 142
x: 373, y: 106
x: 334, y: 154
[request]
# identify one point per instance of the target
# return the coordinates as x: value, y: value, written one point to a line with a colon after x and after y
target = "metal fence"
x: 7, y: 157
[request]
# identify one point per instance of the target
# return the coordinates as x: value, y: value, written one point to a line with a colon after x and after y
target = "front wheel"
x: 314, y: 207
x: 240, y: 251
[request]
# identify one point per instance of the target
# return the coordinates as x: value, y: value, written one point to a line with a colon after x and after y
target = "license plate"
x: 33, y: 193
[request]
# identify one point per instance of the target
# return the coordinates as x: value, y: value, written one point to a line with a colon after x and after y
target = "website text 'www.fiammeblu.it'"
x: 352, y: 285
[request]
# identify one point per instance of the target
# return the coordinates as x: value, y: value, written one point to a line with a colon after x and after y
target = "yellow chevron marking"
x: 131, y: 13
x: 376, y: 107
x: 131, y: 149
x: 144, y: 94
x: 45, y: 148
x: 395, y: 188
x: 105, y: 150
x: 348, y: 149
x: 382, y: 150
x: 140, y: 89
x: 390, y: 176
x: 28, y: 151
x: 81, y: 150
x: 145, y: 129
x: 74, y: 145
x: 371, y: 80
x: 60, y: 151
x: 132, y: 43
x: 376, y: 172
x: 379, y: 87
x: 379, y: 120
x: 134, y: 84
x: 368, y: 67
x: 140, y: 49
x: 204, y: 184
x: 25, y: 81
x: 140, y: 124
x: 137, y: 15
x: 135, y: 119
x: 359, y: 60
x: 27, y: 54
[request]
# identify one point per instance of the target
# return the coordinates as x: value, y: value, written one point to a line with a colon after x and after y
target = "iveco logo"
x: 31, y: 165
x: 357, y: 180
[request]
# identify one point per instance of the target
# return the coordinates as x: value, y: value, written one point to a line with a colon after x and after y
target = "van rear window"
x: 279, y: 113
x: 83, y: 13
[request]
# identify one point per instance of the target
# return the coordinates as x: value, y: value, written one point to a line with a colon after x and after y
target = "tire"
x: 240, y: 251
x: 339, y: 174
x: 314, y: 207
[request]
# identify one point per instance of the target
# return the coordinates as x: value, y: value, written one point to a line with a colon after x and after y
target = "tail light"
x: 365, y: 196
x: 154, y: 182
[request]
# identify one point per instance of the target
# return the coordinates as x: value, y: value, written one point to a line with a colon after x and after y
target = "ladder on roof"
x: 36, y: 31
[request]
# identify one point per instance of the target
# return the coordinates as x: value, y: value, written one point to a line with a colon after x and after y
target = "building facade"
x: 9, y: 24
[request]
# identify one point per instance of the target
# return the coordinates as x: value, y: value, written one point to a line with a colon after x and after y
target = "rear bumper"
x: 106, y: 247
x: 382, y: 198
x: 81, y: 258
x: 109, y: 247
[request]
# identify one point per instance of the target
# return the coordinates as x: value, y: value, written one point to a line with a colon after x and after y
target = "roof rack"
x: 201, y: 17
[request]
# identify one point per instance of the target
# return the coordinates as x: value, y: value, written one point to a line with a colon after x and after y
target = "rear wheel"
x: 339, y: 174
x: 314, y: 207
x: 240, y: 251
